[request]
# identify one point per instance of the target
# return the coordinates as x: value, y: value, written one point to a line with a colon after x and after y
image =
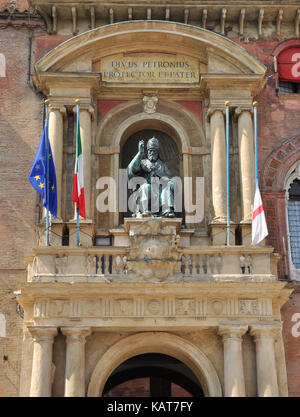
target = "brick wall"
x: 21, y: 121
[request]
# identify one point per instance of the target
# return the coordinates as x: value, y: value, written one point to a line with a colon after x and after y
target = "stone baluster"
x: 43, y: 338
x: 194, y: 264
x: 218, y: 157
x: 212, y: 263
x: 184, y: 265
x: 267, y: 384
x: 234, y: 380
x: 75, y: 360
x: 105, y: 264
x: 246, y: 158
x: 204, y: 264
x: 56, y: 113
x: 101, y: 264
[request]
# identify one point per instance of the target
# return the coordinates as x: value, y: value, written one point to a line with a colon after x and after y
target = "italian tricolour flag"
x: 78, y: 184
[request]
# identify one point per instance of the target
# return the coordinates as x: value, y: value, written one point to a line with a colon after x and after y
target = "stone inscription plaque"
x: 149, y: 68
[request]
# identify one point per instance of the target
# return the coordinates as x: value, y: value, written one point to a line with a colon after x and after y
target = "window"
x: 286, y: 87
x: 293, y: 221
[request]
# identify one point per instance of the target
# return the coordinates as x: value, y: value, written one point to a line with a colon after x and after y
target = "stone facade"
x: 213, y: 305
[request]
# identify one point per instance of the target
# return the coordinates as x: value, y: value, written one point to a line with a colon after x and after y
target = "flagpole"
x: 227, y: 104
x: 77, y: 207
x: 255, y: 104
x: 47, y: 175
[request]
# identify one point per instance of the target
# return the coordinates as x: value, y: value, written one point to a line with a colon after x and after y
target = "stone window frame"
x: 293, y: 174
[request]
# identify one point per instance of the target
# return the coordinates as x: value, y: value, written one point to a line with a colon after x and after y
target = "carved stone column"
x: 86, y: 112
x: 218, y: 157
x: 56, y: 141
x: 43, y: 338
x: 234, y: 381
x: 246, y: 157
x: 75, y: 360
x: 267, y: 383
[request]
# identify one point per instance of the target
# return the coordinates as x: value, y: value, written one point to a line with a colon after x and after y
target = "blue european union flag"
x: 38, y: 174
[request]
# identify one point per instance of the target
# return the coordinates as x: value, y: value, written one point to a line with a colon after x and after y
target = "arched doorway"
x: 152, y: 375
x: 161, y: 343
x: 168, y: 153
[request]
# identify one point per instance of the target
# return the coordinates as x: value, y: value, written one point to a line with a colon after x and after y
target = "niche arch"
x: 127, y: 119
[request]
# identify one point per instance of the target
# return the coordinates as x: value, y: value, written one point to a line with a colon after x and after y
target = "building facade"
x: 166, y: 301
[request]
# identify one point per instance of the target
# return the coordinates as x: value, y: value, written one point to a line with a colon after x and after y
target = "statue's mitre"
x: 153, y: 143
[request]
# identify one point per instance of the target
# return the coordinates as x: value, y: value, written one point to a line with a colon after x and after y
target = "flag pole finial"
x: 47, y: 102
x: 77, y: 101
x: 255, y: 104
x: 227, y: 103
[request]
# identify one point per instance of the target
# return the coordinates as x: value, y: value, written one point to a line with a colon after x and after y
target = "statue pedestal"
x: 121, y: 237
x: 246, y: 229
x: 153, y: 254
x: 218, y: 233
x: 86, y: 232
x: 56, y: 232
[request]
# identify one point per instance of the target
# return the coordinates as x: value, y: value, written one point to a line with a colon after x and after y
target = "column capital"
x: 42, y: 333
x: 242, y: 109
x: 213, y: 109
x: 265, y: 331
x: 232, y: 331
x: 85, y: 107
x: 57, y: 106
x: 76, y: 334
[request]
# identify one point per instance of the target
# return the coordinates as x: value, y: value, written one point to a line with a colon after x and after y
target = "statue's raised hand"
x: 141, y: 147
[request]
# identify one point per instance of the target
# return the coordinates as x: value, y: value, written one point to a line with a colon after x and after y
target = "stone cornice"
x: 67, y: 250
x: 44, y: 81
x: 207, y: 289
x: 208, y: 14
x: 254, y: 83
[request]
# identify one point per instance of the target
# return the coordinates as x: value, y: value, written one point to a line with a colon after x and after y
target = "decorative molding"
x: 150, y: 104
x: 162, y: 306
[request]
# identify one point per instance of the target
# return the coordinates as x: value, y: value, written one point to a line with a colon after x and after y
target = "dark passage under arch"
x: 152, y: 375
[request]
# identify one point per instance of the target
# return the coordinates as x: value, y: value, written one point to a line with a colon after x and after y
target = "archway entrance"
x: 162, y: 343
x: 152, y: 375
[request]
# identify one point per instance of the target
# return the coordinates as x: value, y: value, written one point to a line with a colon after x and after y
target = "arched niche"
x: 169, y: 153
x: 156, y: 342
x: 126, y: 119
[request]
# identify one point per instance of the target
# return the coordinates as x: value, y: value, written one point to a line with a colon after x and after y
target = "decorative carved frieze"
x: 248, y: 307
x: 152, y: 307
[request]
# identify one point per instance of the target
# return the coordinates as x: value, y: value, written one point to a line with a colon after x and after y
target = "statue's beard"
x: 153, y: 158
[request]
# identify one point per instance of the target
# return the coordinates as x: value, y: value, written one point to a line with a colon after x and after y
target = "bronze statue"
x: 152, y: 169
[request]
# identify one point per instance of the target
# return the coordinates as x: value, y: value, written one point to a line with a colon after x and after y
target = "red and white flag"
x: 259, y: 224
x: 78, y: 184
